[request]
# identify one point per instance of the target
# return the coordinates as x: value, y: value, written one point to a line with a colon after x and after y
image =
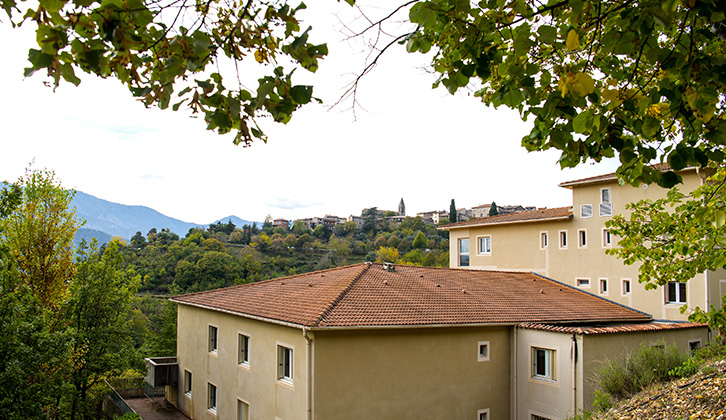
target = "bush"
x: 638, y: 370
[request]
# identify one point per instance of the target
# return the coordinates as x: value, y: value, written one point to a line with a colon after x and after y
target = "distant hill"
x: 237, y: 221
x: 115, y: 219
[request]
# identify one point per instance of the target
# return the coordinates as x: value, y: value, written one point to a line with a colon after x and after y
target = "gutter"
x: 308, y: 374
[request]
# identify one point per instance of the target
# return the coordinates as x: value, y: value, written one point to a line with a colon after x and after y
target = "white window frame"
x: 583, y: 282
x: 562, y: 236
x: 482, y: 414
x: 482, y: 351
x: 543, y: 240
x: 603, y: 282
x: 211, y: 397
x: 586, y: 211
x: 582, y: 238
x: 607, y: 238
x: 482, y: 240
x: 243, y: 409
x: 548, y: 373
x: 605, y: 196
x: 243, y: 349
x: 460, y: 254
x: 213, y: 338
x: 285, y: 353
x: 623, y: 283
x: 679, y: 300
x: 187, y: 383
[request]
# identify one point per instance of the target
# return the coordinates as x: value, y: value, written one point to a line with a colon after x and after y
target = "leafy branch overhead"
x: 640, y: 80
x: 169, y: 53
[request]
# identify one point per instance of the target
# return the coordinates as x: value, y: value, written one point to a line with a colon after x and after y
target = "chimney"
x: 389, y: 266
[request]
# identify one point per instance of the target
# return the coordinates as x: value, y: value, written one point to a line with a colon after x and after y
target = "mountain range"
x: 105, y: 219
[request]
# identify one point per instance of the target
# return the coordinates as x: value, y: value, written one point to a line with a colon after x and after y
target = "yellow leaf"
x: 573, y: 40
x: 260, y: 56
x: 583, y: 84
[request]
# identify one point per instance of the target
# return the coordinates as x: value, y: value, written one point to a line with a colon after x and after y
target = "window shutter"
x: 586, y: 210
x: 606, y: 209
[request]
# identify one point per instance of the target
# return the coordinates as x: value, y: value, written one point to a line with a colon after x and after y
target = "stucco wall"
x: 419, y: 373
x: 255, y: 383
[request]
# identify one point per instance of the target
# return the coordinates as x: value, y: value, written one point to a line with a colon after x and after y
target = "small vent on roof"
x: 389, y: 266
x: 438, y: 285
x: 421, y: 276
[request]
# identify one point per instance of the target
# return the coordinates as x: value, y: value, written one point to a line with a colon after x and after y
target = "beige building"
x: 394, y: 342
x: 569, y: 243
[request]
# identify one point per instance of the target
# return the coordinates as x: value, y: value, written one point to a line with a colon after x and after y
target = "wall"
x: 431, y: 373
x: 256, y: 383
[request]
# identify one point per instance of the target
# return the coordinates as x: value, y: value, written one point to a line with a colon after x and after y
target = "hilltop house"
x: 569, y: 244
x: 372, y: 341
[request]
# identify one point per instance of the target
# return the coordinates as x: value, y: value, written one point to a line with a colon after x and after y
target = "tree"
x: 98, y: 313
x: 386, y: 254
x: 641, y: 80
x: 493, y: 210
x: 452, y: 212
x: 420, y: 241
x: 39, y: 237
x: 168, y: 53
x: 138, y: 239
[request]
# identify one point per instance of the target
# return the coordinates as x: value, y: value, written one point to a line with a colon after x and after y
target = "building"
x: 386, y: 342
x: 283, y: 223
x: 569, y: 244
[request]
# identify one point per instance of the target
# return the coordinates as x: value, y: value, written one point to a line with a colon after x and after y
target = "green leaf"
x: 301, y: 94
x: 547, y: 34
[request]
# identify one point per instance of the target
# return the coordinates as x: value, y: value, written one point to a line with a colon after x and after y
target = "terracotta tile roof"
x: 367, y: 295
x: 527, y: 216
x: 662, y: 167
x: 612, y: 329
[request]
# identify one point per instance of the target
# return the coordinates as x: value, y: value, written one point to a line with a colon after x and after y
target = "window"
x: 604, y: 286
x: 582, y: 238
x: 212, y: 338
x: 584, y: 283
x: 187, y: 383
x: 536, y: 417
x: 464, y: 252
x: 586, y: 210
x: 543, y: 240
x: 243, y: 357
x: 626, y: 287
x: 482, y: 351
x: 606, y: 207
x: 243, y: 410
x: 605, y: 195
x: 543, y: 363
x: 563, y: 239
x: 676, y: 292
x: 284, y: 362
x: 693, y: 345
x: 485, y: 245
x: 606, y: 238
x: 482, y: 414
x: 211, y: 397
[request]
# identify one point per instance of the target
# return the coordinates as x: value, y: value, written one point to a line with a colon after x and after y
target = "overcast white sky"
x: 410, y: 142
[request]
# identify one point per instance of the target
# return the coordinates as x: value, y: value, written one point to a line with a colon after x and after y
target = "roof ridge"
x: 255, y: 283
x: 334, y: 302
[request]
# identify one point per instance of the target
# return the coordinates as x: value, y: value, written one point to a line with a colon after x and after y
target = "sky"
x: 405, y: 140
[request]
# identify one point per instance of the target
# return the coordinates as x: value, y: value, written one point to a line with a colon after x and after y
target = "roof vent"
x: 389, y: 266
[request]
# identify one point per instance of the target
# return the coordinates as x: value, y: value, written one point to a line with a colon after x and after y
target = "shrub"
x: 639, y: 369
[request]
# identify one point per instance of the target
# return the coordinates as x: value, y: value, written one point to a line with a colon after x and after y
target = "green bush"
x: 638, y: 370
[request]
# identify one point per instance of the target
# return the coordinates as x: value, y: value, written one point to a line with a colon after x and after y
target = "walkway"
x: 149, y: 410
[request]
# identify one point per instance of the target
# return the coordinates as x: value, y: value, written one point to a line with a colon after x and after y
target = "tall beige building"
x: 568, y: 244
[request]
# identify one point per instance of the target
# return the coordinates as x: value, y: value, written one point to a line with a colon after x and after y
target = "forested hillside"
x: 225, y: 254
